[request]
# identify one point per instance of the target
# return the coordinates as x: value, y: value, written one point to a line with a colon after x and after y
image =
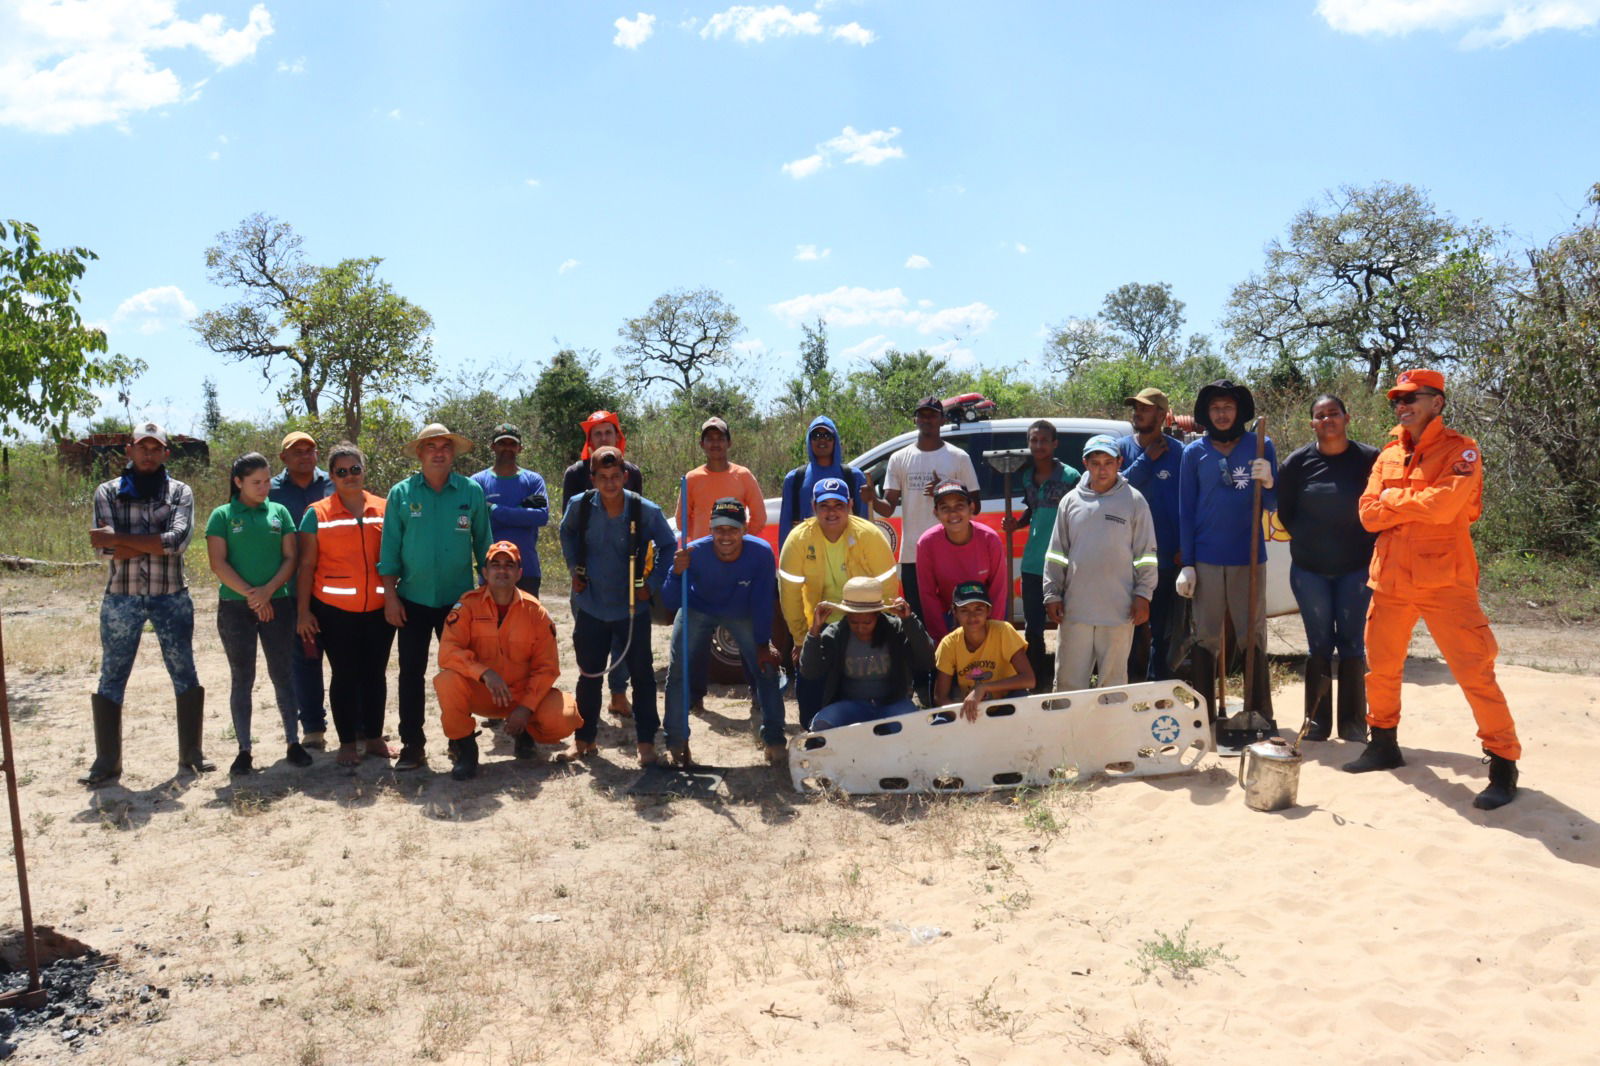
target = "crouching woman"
x: 867, y: 660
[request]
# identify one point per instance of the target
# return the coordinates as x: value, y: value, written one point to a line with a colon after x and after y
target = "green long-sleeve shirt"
x: 432, y: 540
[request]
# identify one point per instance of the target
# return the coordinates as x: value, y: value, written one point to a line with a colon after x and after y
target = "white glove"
x: 1185, y: 583
x: 1261, y: 470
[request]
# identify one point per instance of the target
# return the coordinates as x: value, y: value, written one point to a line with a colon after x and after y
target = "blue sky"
x: 955, y: 177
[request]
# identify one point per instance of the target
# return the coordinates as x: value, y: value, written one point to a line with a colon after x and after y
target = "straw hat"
x: 434, y: 430
x: 861, y: 595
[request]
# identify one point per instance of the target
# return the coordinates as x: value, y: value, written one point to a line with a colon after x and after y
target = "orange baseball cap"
x: 505, y: 547
x: 1415, y: 380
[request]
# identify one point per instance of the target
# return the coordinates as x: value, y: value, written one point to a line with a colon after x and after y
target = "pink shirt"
x: 941, y: 566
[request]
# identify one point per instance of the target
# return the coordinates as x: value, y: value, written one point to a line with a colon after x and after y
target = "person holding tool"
x: 1220, y: 536
x: 611, y: 539
x: 1424, y: 493
x: 726, y: 579
x: 1047, y: 482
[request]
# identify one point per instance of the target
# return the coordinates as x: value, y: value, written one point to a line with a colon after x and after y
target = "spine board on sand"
x: 1145, y: 730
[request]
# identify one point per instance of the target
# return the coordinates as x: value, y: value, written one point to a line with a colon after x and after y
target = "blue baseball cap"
x: 1102, y: 442
x: 830, y: 488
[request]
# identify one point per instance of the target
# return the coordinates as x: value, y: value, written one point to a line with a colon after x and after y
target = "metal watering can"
x: 1269, y: 772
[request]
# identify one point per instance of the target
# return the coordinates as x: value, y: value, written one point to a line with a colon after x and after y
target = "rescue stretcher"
x: 1145, y: 730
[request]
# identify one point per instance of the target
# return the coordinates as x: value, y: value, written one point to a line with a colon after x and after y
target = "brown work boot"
x: 777, y: 755
x: 647, y: 754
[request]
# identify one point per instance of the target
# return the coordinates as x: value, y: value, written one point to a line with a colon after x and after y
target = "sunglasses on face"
x: 822, y: 434
x: 348, y: 471
x: 1411, y: 397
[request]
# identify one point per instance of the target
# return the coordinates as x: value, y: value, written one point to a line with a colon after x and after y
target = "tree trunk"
x: 352, y: 409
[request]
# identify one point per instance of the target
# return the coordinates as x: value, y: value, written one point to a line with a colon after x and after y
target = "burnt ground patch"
x: 85, y: 991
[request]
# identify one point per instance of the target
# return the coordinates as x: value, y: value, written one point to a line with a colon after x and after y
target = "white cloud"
x: 214, y: 156
x: 952, y: 352
x: 1022, y: 249
x: 532, y: 183
x: 749, y: 24
x: 804, y: 168
x: 848, y: 307
x: 154, y: 310
x: 755, y: 348
x: 296, y: 67
x: 851, y: 146
x: 870, y: 348
x: 808, y: 253
x: 567, y: 266
x: 854, y: 33
x: 1483, y: 22
x: 918, y: 262
x: 631, y: 33
x: 395, y: 114
x: 64, y: 66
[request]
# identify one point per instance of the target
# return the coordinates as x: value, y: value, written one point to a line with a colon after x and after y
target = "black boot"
x: 525, y: 747
x: 191, y: 723
x: 1502, y: 783
x: 1319, y: 698
x: 1383, y: 753
x: 1352, y: 699
x: 107, y: 766
x: 1259, y: 698
x: 1203, y: 678
x: 464, y: 758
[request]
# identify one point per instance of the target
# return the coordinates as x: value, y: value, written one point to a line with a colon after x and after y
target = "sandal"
x: 349, y: 755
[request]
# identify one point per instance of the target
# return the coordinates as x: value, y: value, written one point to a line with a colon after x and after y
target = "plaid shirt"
x: 171, y: 516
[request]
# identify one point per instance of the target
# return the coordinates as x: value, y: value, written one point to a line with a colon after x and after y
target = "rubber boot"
x: 1502, y: 783
x: 107, y: 766
x: 1383, y: 753
x: 1353, y: 699
x: 1259, y: 699
x: 1319, y: 698
x: 1203, y: 677
x: 464, y: 758
x: 191, y: 724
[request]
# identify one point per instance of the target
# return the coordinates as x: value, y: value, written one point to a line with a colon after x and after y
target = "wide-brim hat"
x: 433, y: 431
x: 860, y: 595
x: 1238, y: 393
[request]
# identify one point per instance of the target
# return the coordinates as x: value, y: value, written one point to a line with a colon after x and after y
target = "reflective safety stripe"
x: 335, y: 590
x: 795, y: 578
x: 887, y: 574
x: 1056, y: 557
x: 1144, y: 560
x: 375, y: 523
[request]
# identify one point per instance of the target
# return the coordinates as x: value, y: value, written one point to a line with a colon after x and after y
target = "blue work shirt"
x: 609, y: 549
x: 509, y: 519
x: 1214, y: 502
x: 297, y: 499
x: 1157, y: 482
x: 744, y: 588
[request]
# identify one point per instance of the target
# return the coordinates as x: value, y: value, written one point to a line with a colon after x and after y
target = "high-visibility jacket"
x: 346, y: 576
x: 1421, y: 499
x: 521, y: 649
x: 803, y: 560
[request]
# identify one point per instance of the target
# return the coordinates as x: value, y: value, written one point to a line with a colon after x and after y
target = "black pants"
x: 357, y: 644
x: 416, y: 639
x: 592, y: 641
x: 530, y: 585
x: 1033, y: 626
x: 913, y: 597
x: 1148, y: 659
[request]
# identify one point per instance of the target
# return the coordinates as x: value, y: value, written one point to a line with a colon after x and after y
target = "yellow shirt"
x: 991, y: 662
x: 836, y: 571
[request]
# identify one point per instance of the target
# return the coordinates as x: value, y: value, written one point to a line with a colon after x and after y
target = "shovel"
x: 1249, y: 725
x: 1007, y: 463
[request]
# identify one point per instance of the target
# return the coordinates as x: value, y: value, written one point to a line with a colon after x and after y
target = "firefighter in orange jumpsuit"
x: 1423, y: 494
x: 497, y: 659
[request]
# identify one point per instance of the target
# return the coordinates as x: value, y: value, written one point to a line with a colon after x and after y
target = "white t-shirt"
x: 911, y: 470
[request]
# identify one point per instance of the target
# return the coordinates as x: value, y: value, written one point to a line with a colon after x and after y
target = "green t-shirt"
x: 254, y: 536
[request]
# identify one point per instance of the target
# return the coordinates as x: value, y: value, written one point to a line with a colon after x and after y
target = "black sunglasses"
x: 349, y: 471
x: 1411, y: 397
x: 821, y: 434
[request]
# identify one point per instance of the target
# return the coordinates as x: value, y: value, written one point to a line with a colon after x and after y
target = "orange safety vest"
x: 1424, y: 525
x: 347, y: 554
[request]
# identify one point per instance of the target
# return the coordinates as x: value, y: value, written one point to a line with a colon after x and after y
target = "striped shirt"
x: 170, y: 514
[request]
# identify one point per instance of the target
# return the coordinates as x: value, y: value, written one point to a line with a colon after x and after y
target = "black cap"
x: 504, y: 430
x: 932, y: 402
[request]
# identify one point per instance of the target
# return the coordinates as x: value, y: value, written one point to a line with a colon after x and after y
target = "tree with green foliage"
x: 566, y: 393
x: 47, y: 366
x: 338, y: 328
x: 1355, y: 272
x: 815, y: 383
x: 685, y: 334
x: 1146, y: 316
x: 1078, y: 343
x: 211, y: 414
x: 892, y: 383
x: 361, y: 337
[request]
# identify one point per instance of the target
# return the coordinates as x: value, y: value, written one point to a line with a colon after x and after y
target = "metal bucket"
x: 1270, y: 775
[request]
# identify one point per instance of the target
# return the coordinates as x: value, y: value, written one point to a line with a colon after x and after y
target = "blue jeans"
x: 1334, y: 610
x: 850, y: 712
x: 122, y: 620
x: 700, y: 627
x: 309, y: 690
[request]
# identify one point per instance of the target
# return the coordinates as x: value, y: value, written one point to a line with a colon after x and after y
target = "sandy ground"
x: 539, y: 914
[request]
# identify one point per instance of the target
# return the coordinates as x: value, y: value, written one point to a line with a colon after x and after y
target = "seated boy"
x: 984, y: 657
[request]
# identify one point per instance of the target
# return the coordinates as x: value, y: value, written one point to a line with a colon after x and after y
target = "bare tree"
x: 683, y: 335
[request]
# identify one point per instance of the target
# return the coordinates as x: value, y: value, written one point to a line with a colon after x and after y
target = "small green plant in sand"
x: 1177, y: 954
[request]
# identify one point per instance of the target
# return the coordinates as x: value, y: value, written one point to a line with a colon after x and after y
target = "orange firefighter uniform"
x: 1421, y: 499
x: 521, y: 648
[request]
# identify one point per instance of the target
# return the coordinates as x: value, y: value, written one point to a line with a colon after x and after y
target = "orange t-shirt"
x: 706, y: 488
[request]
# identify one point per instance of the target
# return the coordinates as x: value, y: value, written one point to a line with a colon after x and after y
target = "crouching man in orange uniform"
x: 1423, y: 494
x: 497, y: 659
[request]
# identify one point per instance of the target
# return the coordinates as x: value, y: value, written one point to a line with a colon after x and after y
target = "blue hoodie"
x: 797, y: 483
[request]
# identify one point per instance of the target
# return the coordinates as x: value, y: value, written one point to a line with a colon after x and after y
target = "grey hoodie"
x: 1102, y: 554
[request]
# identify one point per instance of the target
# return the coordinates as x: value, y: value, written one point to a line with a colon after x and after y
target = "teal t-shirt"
x: 1043, y: 499
x: 255, y: 542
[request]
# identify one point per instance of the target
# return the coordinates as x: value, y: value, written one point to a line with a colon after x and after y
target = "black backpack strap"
x: 582, y: 503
